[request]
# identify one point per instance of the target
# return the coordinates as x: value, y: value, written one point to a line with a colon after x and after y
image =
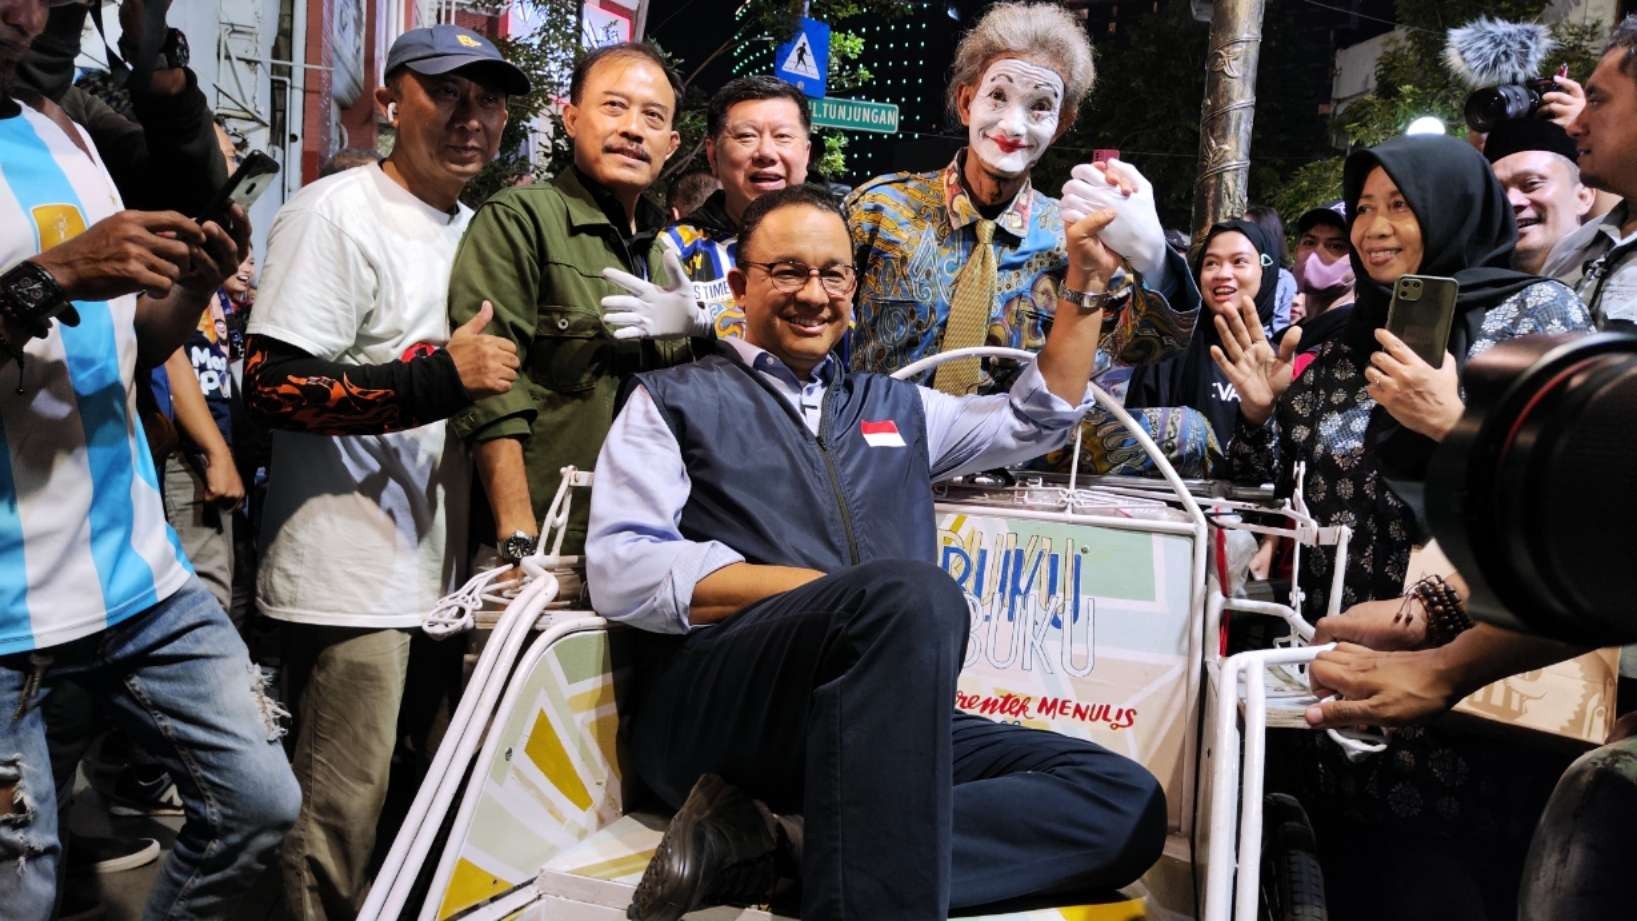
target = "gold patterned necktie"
x: 969, y: 309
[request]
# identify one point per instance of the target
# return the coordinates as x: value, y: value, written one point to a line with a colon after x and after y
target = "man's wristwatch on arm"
x: 30, y: 298
x: 1113, y: 295
x: 519, y: 545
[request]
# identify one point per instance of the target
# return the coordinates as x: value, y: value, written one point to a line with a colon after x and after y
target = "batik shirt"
x: 913, y: 232
x: 1321, y: 420
x: 707, y: 243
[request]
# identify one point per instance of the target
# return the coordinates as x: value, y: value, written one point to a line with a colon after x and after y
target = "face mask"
x: 1315, y: 276
x: 1014, y: 115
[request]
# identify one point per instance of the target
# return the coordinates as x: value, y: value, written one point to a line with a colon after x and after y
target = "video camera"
x: 1491, y: 105
x: 1500, y: 61
x: 1533, y: 495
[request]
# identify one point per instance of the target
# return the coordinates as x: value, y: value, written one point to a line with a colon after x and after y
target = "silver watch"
x: 1118, y: 289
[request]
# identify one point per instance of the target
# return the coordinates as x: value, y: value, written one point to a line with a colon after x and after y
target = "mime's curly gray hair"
x: 1044, y: 31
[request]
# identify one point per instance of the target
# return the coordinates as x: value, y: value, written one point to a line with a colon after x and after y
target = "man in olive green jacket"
x: 546, y: 256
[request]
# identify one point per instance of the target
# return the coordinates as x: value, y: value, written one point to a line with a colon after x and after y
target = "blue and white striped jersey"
x: 83, y: 538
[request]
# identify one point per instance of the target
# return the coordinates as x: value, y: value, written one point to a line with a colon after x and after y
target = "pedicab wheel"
x: 1292, y: 883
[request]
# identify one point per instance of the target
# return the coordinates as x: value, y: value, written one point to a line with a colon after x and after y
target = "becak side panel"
x: 1080, y: 629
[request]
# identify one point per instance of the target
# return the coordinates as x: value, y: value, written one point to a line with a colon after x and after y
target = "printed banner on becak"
x: 1078, y: 629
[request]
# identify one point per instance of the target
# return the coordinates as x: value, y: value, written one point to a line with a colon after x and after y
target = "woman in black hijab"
x: 1236, y: 264
x: 1446, y: 818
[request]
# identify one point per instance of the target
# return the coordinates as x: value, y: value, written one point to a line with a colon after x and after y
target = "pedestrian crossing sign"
x: 805, y: 59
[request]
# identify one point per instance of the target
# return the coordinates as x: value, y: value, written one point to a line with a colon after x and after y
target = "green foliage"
x: 546, y: 56
x: 1312, y: 186
x: 1146, y: 104
x: 847, y: 70
x: 1412, y: 81
x: 833, y: 160
x: 548, y: 53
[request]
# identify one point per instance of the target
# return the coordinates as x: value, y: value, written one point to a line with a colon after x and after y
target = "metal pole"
x: 1228, y: 111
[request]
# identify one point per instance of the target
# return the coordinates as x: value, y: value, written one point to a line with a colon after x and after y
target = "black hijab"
x: 1191, y: 377
x: 1467, y: 233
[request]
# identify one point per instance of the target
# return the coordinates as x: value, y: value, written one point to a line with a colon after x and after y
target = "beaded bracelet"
x: 1446, y: 612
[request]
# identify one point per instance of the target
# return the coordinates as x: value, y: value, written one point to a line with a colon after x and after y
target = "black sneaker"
x: 88, y: 854
x: 722, y: 848
x: 143, y: 790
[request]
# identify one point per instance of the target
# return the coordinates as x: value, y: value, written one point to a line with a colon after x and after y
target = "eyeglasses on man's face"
x: 789, y: 276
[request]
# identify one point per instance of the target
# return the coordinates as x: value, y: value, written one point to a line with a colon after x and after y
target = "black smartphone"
x: 254, y: 175
x: 1423, y: 307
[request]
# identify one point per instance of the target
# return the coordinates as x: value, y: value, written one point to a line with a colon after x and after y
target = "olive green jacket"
x: 537, y: 253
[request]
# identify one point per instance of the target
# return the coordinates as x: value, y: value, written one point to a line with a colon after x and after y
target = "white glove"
x: 1136, y: 233
x: 651, y: 311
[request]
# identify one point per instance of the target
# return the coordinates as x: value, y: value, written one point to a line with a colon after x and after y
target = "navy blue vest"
x: 765, y: 486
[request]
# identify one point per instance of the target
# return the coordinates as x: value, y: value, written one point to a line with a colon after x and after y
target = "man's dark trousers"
x: 834, y: 700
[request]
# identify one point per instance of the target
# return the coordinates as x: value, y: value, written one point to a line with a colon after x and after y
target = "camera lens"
x: 1533, y: 494
x: 1487, y: 107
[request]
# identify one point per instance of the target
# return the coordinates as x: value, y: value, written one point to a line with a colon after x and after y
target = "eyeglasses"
x: 790, y: 276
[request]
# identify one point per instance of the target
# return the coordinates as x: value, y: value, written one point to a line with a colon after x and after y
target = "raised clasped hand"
x: 1135, y: 231
x: 1090, y: 255
x: 1420, y: 397
x: 651, y: 311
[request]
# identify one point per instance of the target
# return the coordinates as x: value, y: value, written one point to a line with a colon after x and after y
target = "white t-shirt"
x: 360, y: 530
x: 83, y: 538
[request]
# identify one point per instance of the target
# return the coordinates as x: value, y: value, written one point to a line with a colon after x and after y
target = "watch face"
x: 516, y: 547
x: 31, y: 294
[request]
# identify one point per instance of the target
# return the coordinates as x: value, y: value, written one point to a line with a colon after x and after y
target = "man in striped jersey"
x: 95, y: 591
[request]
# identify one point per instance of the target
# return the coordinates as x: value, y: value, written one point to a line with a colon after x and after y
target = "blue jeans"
x: 177, y: 678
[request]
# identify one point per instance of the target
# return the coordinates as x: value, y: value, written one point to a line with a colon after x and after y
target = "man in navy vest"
x: 766, y: 518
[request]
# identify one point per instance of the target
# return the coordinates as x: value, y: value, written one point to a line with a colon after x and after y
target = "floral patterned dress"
x: 1446, y: 784
x: 1320, y: 421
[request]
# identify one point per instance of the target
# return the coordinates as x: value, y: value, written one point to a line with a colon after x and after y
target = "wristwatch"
x: 514, y: 548
x: 1118, y: 289
x: 29, y: 297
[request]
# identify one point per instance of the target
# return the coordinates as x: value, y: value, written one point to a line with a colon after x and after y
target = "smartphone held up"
x: 1421, y: 312
x: 246, y: 185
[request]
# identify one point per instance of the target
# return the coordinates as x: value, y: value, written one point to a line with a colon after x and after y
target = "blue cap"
x: 445, y: 48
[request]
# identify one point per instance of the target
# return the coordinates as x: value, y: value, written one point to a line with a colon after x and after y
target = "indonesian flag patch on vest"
x: 882, y: 434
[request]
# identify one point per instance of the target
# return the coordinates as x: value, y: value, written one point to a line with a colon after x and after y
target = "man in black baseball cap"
x: 445, y: 94
x: 353, y: 290
x: 448, y: 48
x: 1535, y: 161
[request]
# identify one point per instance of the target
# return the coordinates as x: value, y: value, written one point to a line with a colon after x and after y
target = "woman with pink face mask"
x: 1324, y: 281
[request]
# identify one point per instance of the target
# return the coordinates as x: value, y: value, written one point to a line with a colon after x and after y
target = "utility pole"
x: 1228, y: 111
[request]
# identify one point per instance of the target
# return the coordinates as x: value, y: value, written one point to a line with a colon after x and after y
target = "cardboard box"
x: 1572, y: 700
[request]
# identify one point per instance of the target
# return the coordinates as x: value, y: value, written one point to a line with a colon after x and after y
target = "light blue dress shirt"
x: 642, y: 571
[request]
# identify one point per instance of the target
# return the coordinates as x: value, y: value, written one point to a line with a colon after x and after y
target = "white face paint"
x: 1014, y: 115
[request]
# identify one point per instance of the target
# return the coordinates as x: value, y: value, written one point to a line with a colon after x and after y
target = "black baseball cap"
x: 1334, y: 214
x: 1515, y: 135
x: 441, y: 49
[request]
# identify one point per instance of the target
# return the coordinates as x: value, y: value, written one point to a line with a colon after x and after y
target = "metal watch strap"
x: 1118, y: 290
x: 517, y: 546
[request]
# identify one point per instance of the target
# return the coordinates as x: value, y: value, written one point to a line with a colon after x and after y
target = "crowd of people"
x: 218, y: 471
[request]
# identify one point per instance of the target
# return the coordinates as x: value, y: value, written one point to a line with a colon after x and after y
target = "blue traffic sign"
x: 805, y: 60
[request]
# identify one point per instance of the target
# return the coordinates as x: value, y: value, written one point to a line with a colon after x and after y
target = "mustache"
x: 629, y: 150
